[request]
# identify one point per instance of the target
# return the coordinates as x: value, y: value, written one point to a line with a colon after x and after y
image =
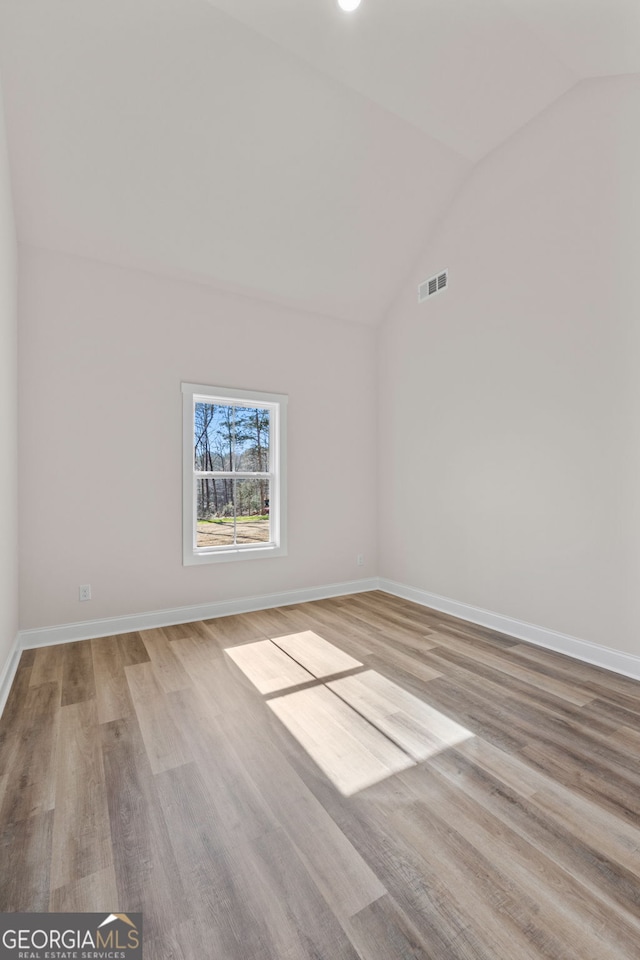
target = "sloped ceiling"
x: 278, y: 147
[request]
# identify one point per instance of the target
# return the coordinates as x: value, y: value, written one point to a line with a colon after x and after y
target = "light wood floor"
x: 440, y: 792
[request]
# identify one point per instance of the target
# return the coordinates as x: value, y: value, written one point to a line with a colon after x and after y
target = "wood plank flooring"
x: 217, y: 776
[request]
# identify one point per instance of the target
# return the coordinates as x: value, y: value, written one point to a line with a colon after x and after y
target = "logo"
x: 70, y: 936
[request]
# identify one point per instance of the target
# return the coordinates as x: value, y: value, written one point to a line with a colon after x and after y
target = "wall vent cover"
x: 428, y: 288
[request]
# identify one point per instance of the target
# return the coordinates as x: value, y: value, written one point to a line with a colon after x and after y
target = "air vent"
x: 428, y: 288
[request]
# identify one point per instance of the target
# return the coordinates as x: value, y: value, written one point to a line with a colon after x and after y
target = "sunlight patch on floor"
x: 351, y: 752
x: 408, y: 721
x: 359, y: 729
x: 268, y: 667
x: 317, y: 655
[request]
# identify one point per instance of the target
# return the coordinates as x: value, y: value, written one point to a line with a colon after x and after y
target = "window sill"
x: 233, y: 554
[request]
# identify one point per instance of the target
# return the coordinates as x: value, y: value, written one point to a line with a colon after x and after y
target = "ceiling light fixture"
x: 348, y: 5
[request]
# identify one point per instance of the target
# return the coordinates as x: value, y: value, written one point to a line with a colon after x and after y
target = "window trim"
x: 277, y: 403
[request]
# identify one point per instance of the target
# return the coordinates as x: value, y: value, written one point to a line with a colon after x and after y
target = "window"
x: 234, y: 474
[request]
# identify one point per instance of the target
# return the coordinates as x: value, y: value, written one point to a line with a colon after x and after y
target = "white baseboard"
x: 615, y: 660
x: 90, y: 629
x: 8, y: 672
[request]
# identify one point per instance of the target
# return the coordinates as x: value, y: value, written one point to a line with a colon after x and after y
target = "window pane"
x: 252, y: 439
x: 252, y: 511
x: 232, y: 511
x: 215, y: 506
x: 213, y: 436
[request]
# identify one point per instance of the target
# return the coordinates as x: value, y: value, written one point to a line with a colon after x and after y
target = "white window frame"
x: 193, y: 393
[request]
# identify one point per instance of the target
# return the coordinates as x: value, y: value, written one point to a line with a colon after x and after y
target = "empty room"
x: 320, y: 479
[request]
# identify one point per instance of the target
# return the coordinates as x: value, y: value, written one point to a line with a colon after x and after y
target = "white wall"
x: 510, y: 405
x: 103, y: 351
x: 8, y: 411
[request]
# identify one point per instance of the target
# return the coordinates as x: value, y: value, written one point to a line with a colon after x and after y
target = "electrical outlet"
x: 84, y: 592
x: 360, y: 560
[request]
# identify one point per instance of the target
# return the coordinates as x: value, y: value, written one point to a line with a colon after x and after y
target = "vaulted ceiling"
x: 280, y: 148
